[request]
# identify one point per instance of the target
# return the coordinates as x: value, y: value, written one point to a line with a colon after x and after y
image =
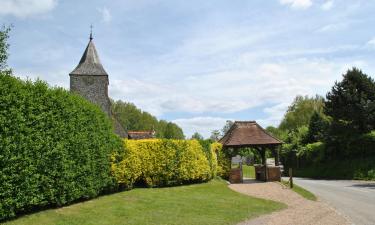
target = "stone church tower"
x: 90, y: 80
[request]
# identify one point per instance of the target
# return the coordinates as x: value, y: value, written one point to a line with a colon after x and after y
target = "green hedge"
x: 224, y: 160
x: 55, y: 147
x: 161, y: 162
x: 355, y: 168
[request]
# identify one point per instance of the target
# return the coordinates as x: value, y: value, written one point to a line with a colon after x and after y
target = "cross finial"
x: 91, y: 32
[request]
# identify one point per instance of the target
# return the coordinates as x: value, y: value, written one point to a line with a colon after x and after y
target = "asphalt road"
x: 354, y: 199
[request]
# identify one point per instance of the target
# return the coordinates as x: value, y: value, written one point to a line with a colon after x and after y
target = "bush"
x: 160, y: 162
x: 211, y: 155
x: 223, y: 160
x: 55, y: 147
x: 354, y: 168
x: 312, y: 153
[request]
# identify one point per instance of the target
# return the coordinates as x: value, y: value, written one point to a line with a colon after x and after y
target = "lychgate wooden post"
x: 291, y: 177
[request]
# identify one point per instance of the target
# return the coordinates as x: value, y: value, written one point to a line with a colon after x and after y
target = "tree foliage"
x: 351, y: 102
x: 300, y: 112
x: 197, y: 136
x: 215, y: 135
x: 4, y: 35
x: 226, y: 127
x: 132, y: 118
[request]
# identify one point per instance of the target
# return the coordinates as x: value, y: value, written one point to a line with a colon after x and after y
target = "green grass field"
x: 301, y: 191
x: 248, y: 171
x: 208, y: 203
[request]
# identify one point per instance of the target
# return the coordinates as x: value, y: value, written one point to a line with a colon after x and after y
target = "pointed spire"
x: 90, y: 63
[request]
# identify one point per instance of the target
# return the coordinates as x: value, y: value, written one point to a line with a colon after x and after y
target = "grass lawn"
x: 248, y: 171
x: 301, y: 191
x: 208, y: 203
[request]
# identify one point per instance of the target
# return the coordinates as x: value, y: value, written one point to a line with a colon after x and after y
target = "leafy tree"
x: 197, y: 136
x: 4, y: 35
x: 226, y: 127
x: 132, y: 118
x: 351, y: 102
x: 215, y: 135
x: 317, y: 128
x: 172, y: 131
x: 277, y: 133
x: 300, y: 112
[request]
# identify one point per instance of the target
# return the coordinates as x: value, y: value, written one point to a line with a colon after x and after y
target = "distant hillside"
x: 133, y: 118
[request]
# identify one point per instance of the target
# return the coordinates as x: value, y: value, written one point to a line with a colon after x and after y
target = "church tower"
x: 90, y: 80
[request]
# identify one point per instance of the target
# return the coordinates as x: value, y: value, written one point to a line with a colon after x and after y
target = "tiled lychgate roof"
x: 90, y: 63
x: 248, y: 133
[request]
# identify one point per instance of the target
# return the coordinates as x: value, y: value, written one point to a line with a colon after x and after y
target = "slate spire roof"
x: 247, y: 134
x: 90, y: 63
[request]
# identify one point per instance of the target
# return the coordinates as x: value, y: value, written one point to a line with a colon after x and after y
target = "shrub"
x: 312, y: 153
x: 210, y: 155
x: 55, y: 147
x: 160, y: 162
x: 223, y: 160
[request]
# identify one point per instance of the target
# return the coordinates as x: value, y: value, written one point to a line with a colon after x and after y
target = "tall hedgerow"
x: 161, y: 162
x: 223, y: 160
x: 55, y: 147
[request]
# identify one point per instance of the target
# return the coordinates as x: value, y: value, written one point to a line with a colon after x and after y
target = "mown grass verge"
x: 208, y: 203
x: 301, y: 191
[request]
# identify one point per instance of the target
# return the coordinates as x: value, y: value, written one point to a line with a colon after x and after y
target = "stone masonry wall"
x: 93, y: 88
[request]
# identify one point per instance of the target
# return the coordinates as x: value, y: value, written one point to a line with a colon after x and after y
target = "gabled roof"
x: 90, y: 63
x: 137, y: 135
x: 247, y: 134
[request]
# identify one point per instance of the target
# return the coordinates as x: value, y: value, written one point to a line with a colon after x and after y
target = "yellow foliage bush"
x: 160, y: 162
x: 223, y: 160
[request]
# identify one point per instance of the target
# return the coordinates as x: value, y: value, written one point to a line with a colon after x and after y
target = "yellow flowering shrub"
x: 223, y: 160
x: 160, y: 162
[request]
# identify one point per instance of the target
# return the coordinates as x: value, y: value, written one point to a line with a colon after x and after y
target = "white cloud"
x: 274, y: 114
x: 202, y: 125
x: 297, y: 4
x: 106, y: 15
x: 25, y: 8
x: 327, y: 5
x: 332, y: 27
x: 371, y: 42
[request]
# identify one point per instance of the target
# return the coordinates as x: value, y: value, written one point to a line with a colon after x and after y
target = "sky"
x: 197, y: 63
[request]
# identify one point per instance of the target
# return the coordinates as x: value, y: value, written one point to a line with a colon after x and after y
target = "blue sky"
x: 197, y: 63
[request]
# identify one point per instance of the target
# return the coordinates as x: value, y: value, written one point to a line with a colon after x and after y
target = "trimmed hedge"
x: 355, y: 168
x: 55, y: 147
x: 161, y: 162
x: 224, y: 160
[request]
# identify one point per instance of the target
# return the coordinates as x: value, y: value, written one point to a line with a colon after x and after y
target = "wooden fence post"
x: 291, y: 177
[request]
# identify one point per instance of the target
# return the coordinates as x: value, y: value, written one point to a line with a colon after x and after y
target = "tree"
x: 197, y: 136
x: 226, y: 127
x: 4, y: 35
x: 351, y: 102
x: 215, y: 135
x: 317, y: 128
x: 172, y: 131
x: 300, y: 112
x: 132, y: 118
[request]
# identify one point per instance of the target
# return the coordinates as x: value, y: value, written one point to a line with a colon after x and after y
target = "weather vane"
x: 90, y: 32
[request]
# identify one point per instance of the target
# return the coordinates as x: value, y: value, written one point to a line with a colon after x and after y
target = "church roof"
x: 137, y: 135
x: 247, y: 134
x: 90, y: 63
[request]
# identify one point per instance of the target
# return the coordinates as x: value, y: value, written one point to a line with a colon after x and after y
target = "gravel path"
x: 300, y: 211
